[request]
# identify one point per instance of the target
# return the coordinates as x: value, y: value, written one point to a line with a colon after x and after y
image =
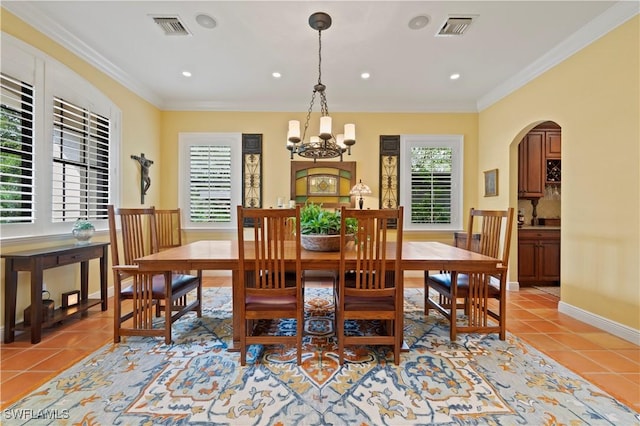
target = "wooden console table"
x: 35, y: 262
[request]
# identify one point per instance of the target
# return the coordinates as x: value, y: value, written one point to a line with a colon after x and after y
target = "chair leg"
x: 453, y: 321
x: 426, y: 294
x: 116, y: 318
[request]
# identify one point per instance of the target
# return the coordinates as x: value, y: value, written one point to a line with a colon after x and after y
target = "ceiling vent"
x: 455, y: 26
x: 171, y: 25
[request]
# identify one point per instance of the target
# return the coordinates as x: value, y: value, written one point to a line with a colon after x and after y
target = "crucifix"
x: 145, y: 180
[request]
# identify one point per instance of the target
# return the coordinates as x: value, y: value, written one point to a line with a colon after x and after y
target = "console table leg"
x: 36, y: 301
x: 11, y: 292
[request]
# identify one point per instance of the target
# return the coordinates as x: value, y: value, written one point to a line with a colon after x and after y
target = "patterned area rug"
x: 477, y: 380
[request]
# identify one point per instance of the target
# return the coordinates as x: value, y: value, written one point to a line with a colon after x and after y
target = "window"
x: 80, y: 163
x: 16, y: 151
x: 431, y: 179
x: 211, y: 178
x: 58, y: 146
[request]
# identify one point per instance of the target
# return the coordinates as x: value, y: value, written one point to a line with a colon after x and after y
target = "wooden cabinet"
x: 531, y: 165
x: 538, y: 162
x: 538, y: 256
x: 552, y: 145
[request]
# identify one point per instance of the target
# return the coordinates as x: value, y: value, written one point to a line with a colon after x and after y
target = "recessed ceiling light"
x: 454, y: 76
x: 206, y: 21
x: 365, y: 75
x: 186, y: 73
x: 276, y: 75
x: 418, y: 22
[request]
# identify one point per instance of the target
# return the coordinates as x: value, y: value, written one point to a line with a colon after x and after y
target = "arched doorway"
x: 539, y: 207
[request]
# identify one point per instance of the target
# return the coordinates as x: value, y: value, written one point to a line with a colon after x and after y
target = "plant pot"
x: 83, y: 231
x: 314, y: 242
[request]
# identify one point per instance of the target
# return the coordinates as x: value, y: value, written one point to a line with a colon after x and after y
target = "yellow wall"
x: 594, y: 95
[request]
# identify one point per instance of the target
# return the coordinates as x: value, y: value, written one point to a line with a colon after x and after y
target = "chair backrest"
x: 169, y: 226
x: 372, y: 259
x: 138, y: 229
x: 495, y: 232
x: 263, y: 257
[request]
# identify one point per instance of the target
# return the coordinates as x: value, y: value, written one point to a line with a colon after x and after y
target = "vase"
x: 83, y: 232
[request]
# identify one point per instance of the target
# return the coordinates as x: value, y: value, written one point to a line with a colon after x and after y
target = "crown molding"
x: 47, y: 26
x: 613, y: 17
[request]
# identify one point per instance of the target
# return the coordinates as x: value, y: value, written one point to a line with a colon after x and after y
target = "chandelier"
x: 326, y: 144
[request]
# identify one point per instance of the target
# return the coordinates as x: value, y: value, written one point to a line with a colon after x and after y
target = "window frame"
x: 456, y: 144
x: 185, y: 141
x: 50, y: 78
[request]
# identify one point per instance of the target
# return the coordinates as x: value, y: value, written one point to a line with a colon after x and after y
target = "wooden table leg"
x: 36, y: 301
x: 10, y: 298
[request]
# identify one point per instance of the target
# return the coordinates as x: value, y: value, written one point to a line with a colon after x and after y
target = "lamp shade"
x: 360, y: 189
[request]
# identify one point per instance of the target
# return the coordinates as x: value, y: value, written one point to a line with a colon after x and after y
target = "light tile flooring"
x: 604, y: 359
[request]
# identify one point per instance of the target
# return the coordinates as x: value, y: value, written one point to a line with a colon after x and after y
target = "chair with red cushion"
x: 268, y: 288
x: 372, y: 290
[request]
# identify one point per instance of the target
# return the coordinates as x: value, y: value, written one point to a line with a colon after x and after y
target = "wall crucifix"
x: 145, y: 180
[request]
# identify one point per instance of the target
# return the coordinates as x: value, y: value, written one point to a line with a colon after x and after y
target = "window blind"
x: 210, y: 183
x: 16, y: 151
x: 431, y: 185
x: 80, y: 163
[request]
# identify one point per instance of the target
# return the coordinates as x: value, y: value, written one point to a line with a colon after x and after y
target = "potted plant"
x: 320, y: 228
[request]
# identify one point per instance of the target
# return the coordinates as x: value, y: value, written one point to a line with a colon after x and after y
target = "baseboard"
x: 513, y: 286
x: 617, y: 329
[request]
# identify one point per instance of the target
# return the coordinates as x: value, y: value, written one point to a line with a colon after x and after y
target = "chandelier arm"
x: 306, y: 123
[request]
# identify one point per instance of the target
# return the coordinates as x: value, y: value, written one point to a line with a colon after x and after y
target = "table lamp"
x: 359, y: 189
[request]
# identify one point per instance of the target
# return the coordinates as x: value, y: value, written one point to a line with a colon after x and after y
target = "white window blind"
x: 210, y: 179
x: 431, y: 179
x: 431, y: 185
x: 80, y: 178
x: 210, y: 184
x: 16, y: 151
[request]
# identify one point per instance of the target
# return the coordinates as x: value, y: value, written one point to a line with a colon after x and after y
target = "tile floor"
x: 604, y: 359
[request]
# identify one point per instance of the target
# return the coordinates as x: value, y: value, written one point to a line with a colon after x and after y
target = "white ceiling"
x: 508, y: 43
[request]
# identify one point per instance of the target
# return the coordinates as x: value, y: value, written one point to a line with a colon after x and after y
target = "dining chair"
x: 370, y: 279
x: 266, y: 288
x: 137, y: 293
x: 169, y: 231
x: 476, y: 288
x: 168, y: 222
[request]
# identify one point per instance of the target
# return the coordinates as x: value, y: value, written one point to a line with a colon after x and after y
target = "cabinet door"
x: 531, y: 165
x: 553, y: 145
x: 527, y: 260
x: 549, y: 260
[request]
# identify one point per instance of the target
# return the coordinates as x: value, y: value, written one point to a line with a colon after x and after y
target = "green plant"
x: 316, y: 220
x: 82, y: 224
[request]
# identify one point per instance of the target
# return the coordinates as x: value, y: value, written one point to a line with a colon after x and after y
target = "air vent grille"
x: 171, y: 25
x: 455, y: 26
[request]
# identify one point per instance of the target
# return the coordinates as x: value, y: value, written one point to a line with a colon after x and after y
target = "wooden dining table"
x: 223, y: 255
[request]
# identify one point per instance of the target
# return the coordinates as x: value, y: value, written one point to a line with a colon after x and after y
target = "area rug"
x: 477, y: 380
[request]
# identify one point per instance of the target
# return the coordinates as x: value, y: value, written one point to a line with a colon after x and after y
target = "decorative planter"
x: 83, y: 231
x: 316, y: 242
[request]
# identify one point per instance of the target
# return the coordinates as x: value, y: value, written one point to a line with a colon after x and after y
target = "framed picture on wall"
x: 491, y: 183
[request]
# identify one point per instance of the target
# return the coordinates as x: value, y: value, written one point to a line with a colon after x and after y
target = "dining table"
x: 222, y: 255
